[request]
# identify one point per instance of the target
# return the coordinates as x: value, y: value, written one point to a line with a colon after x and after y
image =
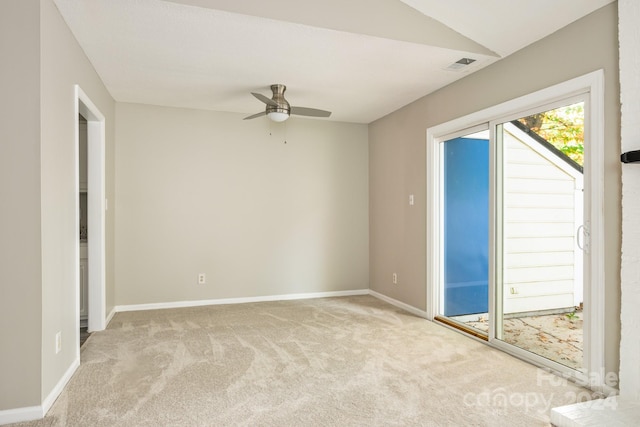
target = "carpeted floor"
x: 354, y: 361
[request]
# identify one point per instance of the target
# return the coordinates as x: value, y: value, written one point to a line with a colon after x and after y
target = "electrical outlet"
x: 58, y: 342
x: 395, y: 278
x: 202, y: 279
x: 411, y: 200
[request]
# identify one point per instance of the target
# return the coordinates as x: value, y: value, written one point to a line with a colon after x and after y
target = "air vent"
x: 465, y: 61
x: 460, y: 64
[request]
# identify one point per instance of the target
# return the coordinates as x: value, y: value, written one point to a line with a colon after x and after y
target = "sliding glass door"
x: 539, y: 220
x: 511, y: 232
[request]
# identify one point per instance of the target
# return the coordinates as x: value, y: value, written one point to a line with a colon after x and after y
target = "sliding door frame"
x: 592, y: 87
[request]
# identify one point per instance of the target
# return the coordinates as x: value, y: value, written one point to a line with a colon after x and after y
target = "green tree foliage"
x: 562, y: 127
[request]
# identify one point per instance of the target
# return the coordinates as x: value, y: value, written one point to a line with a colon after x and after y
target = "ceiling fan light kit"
x: 277, y: 116
x: 279, y: 110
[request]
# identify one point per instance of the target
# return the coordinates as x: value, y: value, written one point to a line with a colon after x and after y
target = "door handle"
x: 578, y: 233
x: 583, y: 244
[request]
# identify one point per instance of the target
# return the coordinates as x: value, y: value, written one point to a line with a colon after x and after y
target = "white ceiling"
x: 361, y: 59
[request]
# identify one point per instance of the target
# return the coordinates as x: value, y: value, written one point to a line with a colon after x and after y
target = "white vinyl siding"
x: 540, y: 223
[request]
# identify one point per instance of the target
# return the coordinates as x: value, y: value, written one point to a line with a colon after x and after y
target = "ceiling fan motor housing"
x: 278, y: 98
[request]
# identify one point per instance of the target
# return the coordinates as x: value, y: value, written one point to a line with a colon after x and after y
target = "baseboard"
x: 222, y: 301
x: 109, y: 317
x: 19, y: 415
x: 32, y: 413
x: 53, y: 395
x: 399, y: 304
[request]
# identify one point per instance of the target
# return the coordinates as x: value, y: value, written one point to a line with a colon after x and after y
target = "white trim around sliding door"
x: 592, y: 85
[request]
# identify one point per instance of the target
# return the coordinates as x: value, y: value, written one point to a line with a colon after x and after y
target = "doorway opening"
x: 82, y: 206
x: 93, y: 233
x: 515, y: 226
x: 538, y: 202
x: 464, y: 201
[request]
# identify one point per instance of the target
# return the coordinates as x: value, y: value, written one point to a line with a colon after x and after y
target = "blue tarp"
x: 466, y: 226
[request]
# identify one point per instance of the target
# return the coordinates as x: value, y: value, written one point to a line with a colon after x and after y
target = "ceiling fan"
x: 278, y: 109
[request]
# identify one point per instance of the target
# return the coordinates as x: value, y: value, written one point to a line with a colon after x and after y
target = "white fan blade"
x: 255, y: 115
x: 312, y: 112
x: 264, y: 99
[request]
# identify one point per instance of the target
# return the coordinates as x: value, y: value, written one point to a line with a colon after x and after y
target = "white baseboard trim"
x: 51, y: 398
x: 109, y: 317
x: 222, y: 301
x: 399, y: 304
x: 32, y: 413
x: 19, y: 415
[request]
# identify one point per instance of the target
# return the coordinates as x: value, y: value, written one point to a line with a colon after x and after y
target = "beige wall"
x: 37, y: 164
x: 397, y: 153
x: 206, y: 192
x: 63, y: 64
x: 20, y: 272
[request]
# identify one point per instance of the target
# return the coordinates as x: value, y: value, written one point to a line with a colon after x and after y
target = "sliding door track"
x: 462, y: 327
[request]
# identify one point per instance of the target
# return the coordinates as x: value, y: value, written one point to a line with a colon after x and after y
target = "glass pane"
x: 466, y: 229
x: 541, y: 195
x: 561, y: 127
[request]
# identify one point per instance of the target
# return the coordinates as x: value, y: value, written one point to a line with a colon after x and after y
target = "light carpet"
x: 353, y: 361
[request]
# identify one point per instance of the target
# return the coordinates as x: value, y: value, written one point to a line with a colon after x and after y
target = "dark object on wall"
x: 631, y: 157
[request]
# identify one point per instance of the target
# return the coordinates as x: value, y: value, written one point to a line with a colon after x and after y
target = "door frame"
x: 96, y: 206
x: 592, y: 85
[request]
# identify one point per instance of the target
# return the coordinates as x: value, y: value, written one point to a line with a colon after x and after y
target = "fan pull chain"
x: 285, y: 131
